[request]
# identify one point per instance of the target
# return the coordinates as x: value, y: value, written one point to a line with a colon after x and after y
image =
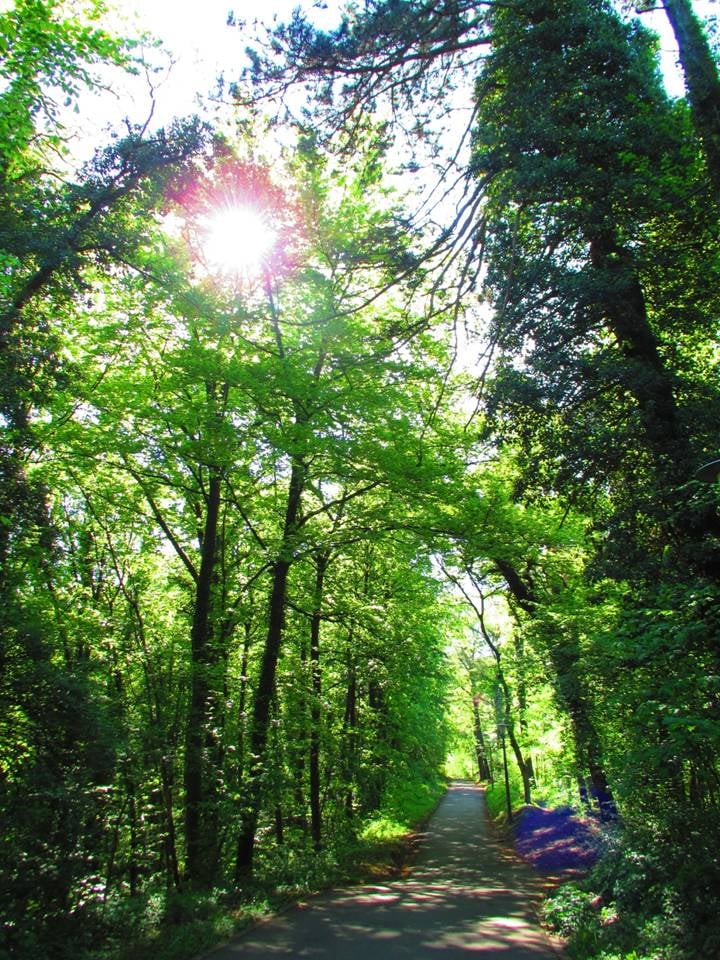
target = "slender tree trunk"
x: 521, y: 686
x: 702, y: 81
x: 510, y: 729
x: 502, y: 683
x: 114, y: 844
x: 321, y: 562
x: 166, y: 779
x: 279, y: 826
x: 480, y: 752
x: 200, y: 844
x: 242, y: 703
x: 266, y: 683
x: 350, y: 732
x: 133, y: 866
x: 565, y: 655
x: 300, y: 751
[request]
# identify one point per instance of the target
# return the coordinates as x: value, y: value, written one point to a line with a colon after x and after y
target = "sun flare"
x: 237, y: 241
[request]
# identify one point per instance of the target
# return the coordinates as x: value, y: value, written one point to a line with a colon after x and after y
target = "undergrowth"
x: 178, y: 925
x: 642, y: 901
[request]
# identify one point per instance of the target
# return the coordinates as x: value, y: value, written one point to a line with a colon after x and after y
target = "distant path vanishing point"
x: 464, y: 898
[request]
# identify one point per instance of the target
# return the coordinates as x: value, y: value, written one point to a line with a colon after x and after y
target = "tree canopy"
x: 283, y: 543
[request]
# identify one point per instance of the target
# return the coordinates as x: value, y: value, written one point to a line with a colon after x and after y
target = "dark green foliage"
x: 58, y: 754
x: 388, y: 51
x: 604, y: 321
x: 585, y: 159
x: 645, y: 898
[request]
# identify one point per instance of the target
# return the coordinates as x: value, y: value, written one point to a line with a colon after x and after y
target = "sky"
x: 203, y: 46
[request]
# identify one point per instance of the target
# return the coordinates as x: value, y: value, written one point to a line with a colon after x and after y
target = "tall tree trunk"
x: 622, y: 303
x: 166, y: 780
x: 133, y: 865
x: 299, y: 747
x: 350, y: 731
x: 565, y: 655
x: 237, y: 768
x: 200, y: 844
x: 321, y: 561
x: 521, y: 687
x: 480, y: 752
x: 588, y: 750
x: 508, y: 721
x: 266, y: 684
x: 702, y: 81
x: 509, y: 724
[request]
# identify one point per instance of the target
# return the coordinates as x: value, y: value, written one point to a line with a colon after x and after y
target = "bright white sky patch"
x: 237, y: 241
x: 202, y: 46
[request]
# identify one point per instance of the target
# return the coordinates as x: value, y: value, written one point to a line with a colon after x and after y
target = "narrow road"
x: 465, y: 896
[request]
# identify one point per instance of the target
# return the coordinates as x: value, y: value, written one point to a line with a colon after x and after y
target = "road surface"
x: 465, y: 897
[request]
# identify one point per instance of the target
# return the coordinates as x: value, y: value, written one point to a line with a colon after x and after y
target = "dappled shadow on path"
x: 464, y: 897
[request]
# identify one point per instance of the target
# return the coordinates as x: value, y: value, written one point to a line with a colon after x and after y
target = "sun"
x: 237, y: 241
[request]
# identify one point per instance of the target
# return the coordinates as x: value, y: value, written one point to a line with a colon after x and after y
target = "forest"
x: 351, y: 447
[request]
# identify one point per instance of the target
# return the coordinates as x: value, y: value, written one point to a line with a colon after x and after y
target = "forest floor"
x: 465, y: 893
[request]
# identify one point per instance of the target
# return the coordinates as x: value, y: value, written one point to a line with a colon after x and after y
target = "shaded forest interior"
x: 288, y: 539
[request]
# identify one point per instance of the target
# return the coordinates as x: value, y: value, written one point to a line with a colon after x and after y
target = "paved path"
x: 464, y: 898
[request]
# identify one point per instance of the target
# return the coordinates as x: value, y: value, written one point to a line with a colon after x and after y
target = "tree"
x: 475, y: 594
x: 701, y: 79
x: 333, y: 378
x: 569, y: 242
x: 406, y: 53
x: 47, y: 53
x: 56, y: 230
x: 259, y: 429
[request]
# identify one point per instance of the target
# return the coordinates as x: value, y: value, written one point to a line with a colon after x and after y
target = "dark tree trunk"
x: 350, y: 731
x: 200, y: 844
x: 321, y: 562
x: 242, y: 703
x: 279, y: 826
x: 622, y: 302
x: 266, y: 683
x: 587, y: 744
x: 166, y: 780
x: 299, y: 750
x: 133, y: 866
x: 480, y: 752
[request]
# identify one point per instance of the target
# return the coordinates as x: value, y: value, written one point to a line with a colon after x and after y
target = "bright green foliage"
x: 228, y: 509
x: 208, y: 440
x: 46, y: 57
